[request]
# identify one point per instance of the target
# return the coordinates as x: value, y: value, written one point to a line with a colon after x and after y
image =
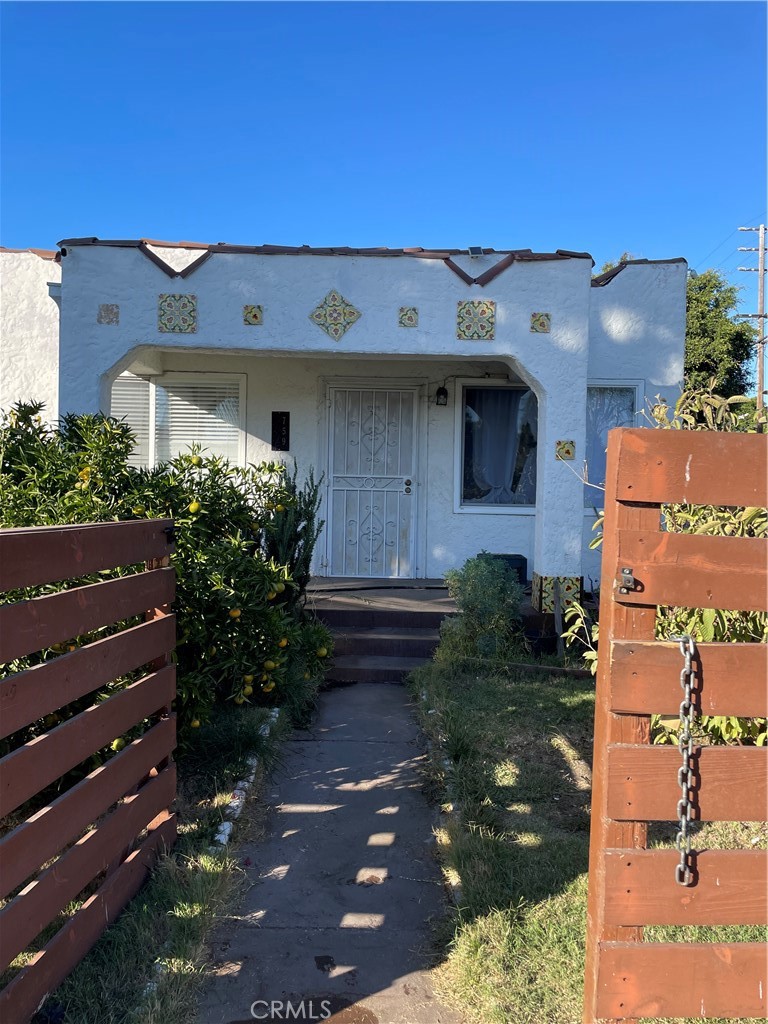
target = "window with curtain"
x: 193, y: 409
x: 499, y: 446
x: 607, y: 407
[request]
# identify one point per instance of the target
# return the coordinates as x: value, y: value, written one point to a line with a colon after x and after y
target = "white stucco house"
x: 30, y: 293
x: 451, y: 399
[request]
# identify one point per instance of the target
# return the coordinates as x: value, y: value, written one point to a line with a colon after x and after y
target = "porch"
x: 383, y: 629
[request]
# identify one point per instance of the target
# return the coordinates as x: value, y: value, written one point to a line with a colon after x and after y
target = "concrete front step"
x: 392, y: 641
x: 344, y: 619
x: 351, y: 668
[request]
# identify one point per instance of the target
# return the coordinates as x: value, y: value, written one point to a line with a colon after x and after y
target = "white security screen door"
x: 372, y: 488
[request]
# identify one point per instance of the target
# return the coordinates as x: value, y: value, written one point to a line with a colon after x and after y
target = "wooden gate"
x: 96, y: 821
x: 634, y: 782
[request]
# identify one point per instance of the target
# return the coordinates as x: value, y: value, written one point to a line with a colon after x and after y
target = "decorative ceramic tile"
x: 543, y: 591
x: 541, y: 323
x: 408, y: 317
x: 109, y: 313
x: 253, y: 316
x: 565, y: 450
x: 476, y: 320
x: 335, y: 315
x: 177, y: 314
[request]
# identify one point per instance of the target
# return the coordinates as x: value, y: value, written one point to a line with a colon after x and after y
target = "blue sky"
x: 594, y: 126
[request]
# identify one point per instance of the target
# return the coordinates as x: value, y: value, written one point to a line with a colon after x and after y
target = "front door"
x: 372, y: 507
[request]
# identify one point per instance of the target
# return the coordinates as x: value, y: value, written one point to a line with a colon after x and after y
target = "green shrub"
x: 295, y: 531
x: 488, y: 598
x: 700, y: 409
x: 242, y: 635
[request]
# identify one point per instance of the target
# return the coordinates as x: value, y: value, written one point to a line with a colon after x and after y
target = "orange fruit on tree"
x: 268, y: 687
x: 194, y: 506
x: 235, y: 613
x: 322, y: 652
x: 195, y: 723
x: 283, y: 642
x: 270, y: 665
x: 247, y: 690
x: 247, y: 679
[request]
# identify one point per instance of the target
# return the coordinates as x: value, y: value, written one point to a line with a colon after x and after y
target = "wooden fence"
x: 634, y: 782
x: 91, y: 831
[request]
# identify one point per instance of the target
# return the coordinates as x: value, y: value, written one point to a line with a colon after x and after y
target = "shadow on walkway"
x: 345, y: 886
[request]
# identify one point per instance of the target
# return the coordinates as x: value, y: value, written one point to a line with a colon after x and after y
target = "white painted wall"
x: 637, y: 327
x: 29, y: 331
x: 299, y: 385
x: 604, y: 332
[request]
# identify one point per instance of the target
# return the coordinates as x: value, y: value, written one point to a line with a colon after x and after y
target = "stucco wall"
x: 636, y: 322
x: 637, y: 327
x: 29, y: 331
x: 298, y: 385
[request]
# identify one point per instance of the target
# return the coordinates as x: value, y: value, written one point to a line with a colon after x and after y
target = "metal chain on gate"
x: 683, y: 873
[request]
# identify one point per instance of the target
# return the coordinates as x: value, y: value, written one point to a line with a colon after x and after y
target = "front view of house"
x: 453, y: 401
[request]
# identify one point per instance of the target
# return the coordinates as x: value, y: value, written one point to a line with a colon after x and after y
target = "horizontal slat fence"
x: 631, y: 887
x: 108, y: 827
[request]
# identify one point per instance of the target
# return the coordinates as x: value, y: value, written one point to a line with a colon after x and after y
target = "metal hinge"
x: 627, y: 581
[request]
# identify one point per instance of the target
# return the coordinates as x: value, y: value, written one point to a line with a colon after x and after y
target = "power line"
x: 727, y: 238
x: 760, y: 315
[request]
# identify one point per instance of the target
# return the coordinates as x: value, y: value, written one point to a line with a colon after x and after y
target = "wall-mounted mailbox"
x: 281, y: 431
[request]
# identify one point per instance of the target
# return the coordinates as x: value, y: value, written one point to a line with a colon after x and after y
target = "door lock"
x: 407, y: 483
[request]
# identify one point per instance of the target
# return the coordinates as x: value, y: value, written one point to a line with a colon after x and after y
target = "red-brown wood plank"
x: 683, y: 980
x: 695, y: 467
x: 691, y: 571
x: 731, y: 678
x: 21, y: 997
x: 30, y: 695
x: 48, y: 831
x: 731, y: 887
x: 731, y: 783
x: 38, y: 904
x: 616, y: 622
x: 29, y: 626
x: 31, y: 768
x: 32, y: 556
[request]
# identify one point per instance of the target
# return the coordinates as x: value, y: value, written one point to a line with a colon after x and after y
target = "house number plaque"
x: 281, y: 431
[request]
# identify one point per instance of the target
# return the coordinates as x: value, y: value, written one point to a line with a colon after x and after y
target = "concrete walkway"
x: 345, y: 886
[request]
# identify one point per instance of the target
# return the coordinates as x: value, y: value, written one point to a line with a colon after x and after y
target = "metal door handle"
x: 407, y: 490
x: 407, y: 483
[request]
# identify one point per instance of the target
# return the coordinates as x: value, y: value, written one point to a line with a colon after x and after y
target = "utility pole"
x: 760, y: 315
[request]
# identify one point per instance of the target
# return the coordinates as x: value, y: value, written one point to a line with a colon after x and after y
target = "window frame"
x: 636, y: 384
x: 461, y: 385
x: 196, y: 377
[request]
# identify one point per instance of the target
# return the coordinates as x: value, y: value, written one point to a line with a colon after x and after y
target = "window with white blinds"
x: 130, y: 401
x: 176, y: 412
x: 204, y: 412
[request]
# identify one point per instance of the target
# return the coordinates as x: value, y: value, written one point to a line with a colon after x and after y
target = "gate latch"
x: 627, y: 580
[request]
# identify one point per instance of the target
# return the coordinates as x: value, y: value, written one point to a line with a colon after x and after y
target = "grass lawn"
x: 511, y: 757
x: 147, y: 966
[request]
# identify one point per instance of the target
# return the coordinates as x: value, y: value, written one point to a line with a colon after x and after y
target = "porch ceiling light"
x: 441, y: 396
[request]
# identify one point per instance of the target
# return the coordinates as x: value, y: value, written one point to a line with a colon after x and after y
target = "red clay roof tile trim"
x: 495, y: 270
x: 603, y: 279
x: 143, y: 247
x: 302, y: 250
x: 44, y: 254
x: 459, y: 272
